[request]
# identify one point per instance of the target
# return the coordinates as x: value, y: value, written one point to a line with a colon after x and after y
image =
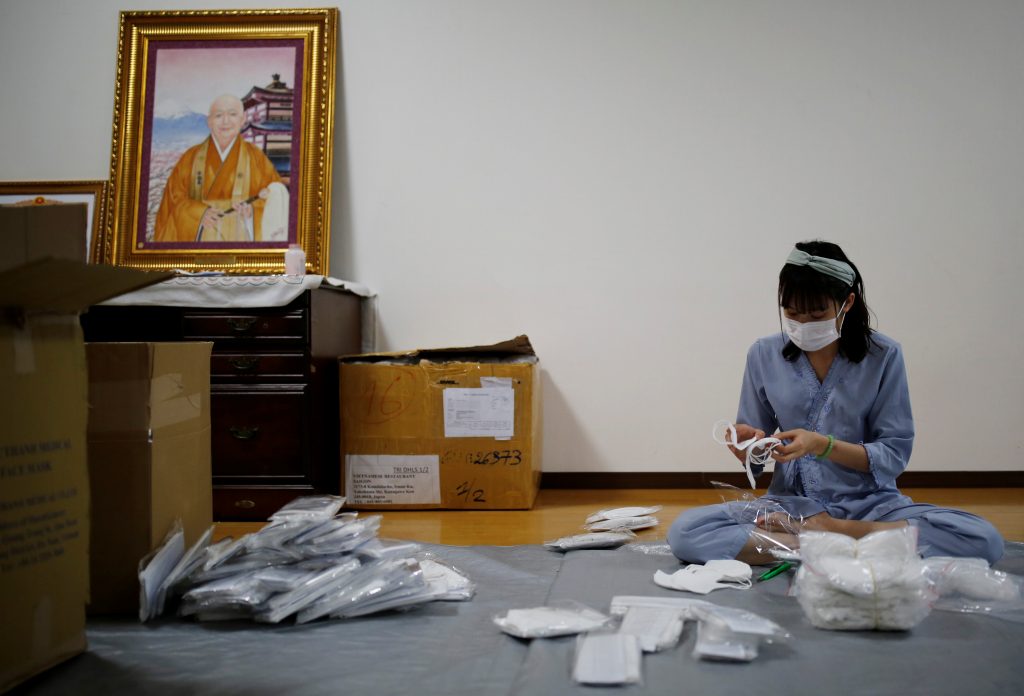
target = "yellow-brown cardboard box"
x: 149, y: 458
x: 401, y: 451
x: 44, y: 484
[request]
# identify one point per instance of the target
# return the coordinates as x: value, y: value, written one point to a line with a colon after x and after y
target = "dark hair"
x: 804, y: 289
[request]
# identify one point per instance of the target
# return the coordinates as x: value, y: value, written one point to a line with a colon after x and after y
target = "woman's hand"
x: 801, y: 443
x: 744, y: 432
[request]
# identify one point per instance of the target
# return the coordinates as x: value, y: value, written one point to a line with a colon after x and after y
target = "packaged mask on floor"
x: 446, y: 582
x: 592, y: 540
x: 559, y: 619
x: 369, y: 583
x: 154, y: 569
x: 190, y: 562
x: 969, y: 585
x: 284, y: 604
x: 715, y: 642
x: 655, y: 627
x: 620, y: 523
x: 615, y: 513
x: 702, y: 579
x: 310, y: 507
x: 607, y: 659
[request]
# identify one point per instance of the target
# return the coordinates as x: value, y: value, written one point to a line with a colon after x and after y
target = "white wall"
x: 621, y: 180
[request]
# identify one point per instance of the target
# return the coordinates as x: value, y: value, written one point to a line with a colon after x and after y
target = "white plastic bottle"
x: 295, y: 260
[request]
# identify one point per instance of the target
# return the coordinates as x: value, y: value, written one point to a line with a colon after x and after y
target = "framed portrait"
x: 222, y: 140
x: 92, y: 193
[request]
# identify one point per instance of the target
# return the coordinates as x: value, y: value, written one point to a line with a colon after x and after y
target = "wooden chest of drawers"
x: 273, y: 390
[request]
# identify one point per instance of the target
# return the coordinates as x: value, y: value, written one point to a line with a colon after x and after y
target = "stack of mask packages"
x: 608, y: 529
x: 309, y: 562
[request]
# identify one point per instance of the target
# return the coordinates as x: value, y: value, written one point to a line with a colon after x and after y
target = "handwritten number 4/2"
x: 466, y: 490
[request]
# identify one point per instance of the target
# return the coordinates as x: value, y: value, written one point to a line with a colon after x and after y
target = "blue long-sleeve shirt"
x: 866, y: 403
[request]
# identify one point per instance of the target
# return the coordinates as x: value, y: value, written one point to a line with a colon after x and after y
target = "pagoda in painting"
x: 268, y: 123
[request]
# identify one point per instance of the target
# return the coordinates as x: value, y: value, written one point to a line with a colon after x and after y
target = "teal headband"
x: 830, y: 267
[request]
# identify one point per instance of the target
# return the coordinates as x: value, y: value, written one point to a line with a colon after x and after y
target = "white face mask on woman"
x: 810, y: 336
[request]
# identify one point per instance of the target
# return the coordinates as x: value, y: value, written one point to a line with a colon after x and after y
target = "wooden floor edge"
x: 703, y: 479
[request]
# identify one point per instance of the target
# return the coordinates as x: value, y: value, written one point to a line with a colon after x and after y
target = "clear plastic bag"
x: 607, y: 659
x: 371, y: 582
x: 877, y: 582
x: 154, y: 569
x: 969, y: 585
x: 616, y: 513
x: 237, y: 592
x: 592, y: 540
x: 655, y: 628
x: 310, y: 507
x: 623, y: 523
x: 746, y: 509
x: 284, y: 604
x: 559, y: 619
x: 446, y: 581
x: 716, y: 642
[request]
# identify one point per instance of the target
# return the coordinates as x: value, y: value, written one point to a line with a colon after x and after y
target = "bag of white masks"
x: 701, y: 579
x: 874, y: 583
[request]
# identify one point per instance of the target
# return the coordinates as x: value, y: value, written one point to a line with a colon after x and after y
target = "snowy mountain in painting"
x: 179, y: 131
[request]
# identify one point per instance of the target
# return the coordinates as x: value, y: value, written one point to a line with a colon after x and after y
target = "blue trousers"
x: 720, y: 531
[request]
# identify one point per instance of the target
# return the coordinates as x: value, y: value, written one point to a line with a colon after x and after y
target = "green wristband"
x: 828, y: 450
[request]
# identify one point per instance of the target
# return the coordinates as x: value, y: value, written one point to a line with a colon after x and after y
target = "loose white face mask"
x: 810, y: 336
x: 701, y: 579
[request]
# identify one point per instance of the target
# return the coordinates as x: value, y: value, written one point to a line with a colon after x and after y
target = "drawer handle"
x: 247, y: 364
x: 243, y: 432
x: 246, y: 504
x: 241, y: 324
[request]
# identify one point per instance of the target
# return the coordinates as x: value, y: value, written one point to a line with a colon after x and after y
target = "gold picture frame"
x: 184, y: 194
x: 92, y: 193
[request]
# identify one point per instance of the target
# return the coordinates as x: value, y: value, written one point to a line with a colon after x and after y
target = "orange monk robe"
x: 181, y: 213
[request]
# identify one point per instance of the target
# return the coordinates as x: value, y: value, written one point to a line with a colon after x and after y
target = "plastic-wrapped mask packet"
x: 284, y: 604
x: 614, y: 513
x: 607, y: 659
x: 620, y: 523
x: 403, y: 591
x: 650, y: 549
x: 375, y: 549
x: 236, y: 591
x: 282, y: 578
x: 346, y: 538
x: 592, y: 540
x: 324, y: 527
x: 278, y: 533
x: 372, y: 580
x: 310, y: 507
x: 189, y: 563
x: 562, y: 619
x: 716, y: 642
x: 446, y: 582
x: 156, y: 566
x: 740, y: 622
x: 222, y: 551
x: 260, y: 558
x: 656, y: 628
x: 685, y: 606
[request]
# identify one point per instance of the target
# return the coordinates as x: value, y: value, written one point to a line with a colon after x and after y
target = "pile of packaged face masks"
x: 879, y: 582
x: 309, y: 562
x: 610, y: 648
x: 607, y: 529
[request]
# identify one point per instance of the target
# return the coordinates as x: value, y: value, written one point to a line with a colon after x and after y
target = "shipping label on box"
x: 456, y: 428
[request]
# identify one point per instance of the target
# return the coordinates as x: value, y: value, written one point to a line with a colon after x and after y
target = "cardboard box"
x: 453, y: 428
x: 149, y: 458
x: 33, y: 232
x: 44, y: 484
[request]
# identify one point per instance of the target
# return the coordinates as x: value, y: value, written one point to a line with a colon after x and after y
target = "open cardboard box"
x: 454, y: 428
x: 44, y: 480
